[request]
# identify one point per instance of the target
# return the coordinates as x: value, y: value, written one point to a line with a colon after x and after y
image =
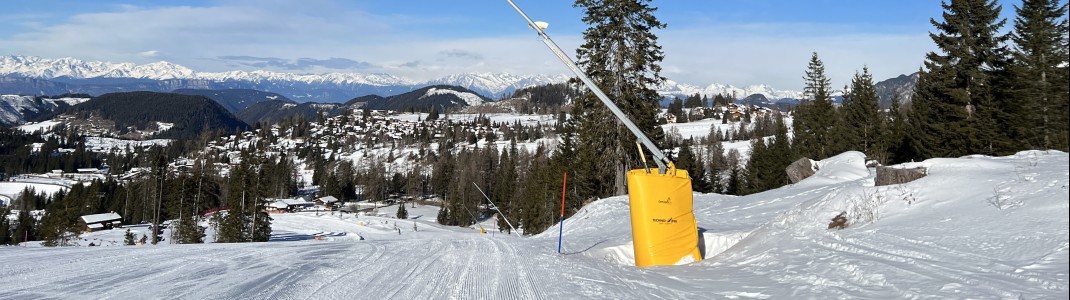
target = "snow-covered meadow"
x: 975, y: 227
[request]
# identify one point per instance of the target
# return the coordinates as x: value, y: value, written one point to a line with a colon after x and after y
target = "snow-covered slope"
x: 975, y: 227
x: 468, y: 98
x: 14, y: 109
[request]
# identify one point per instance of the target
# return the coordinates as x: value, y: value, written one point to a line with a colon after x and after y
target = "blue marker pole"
x: 561, y: 221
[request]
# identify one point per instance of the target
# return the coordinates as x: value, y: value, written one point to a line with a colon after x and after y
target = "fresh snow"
x: 42, y: 126
x: 468, y: 98
x: 10, y: 190
x: 105, y: 145
x: 975, y: 227
x: 13, y: 107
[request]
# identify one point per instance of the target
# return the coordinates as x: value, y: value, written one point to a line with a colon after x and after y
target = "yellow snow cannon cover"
x: 664, y: 230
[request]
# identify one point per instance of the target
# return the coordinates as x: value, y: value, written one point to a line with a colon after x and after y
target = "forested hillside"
x: 190, y: 115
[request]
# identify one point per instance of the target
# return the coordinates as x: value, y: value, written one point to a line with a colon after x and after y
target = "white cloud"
x: 149, y: 53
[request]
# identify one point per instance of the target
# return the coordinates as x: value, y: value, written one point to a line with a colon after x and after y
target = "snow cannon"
x: 664, y: 231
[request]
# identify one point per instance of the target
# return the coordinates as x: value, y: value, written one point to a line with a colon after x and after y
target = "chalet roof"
x: 328, y: 199
x: 290, y: 201
x: 294, y: 201
x: 101, y: 218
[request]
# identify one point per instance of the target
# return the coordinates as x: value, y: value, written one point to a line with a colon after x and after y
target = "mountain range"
x: 29, y: 75
x: 35, y: 75
x: 135, y: 111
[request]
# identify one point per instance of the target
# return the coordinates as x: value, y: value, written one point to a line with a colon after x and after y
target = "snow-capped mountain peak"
x: 673, y: 88
x: 484, y: 83
x: 497, y: 83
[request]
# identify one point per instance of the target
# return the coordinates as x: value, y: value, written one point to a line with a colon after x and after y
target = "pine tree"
x: 816, y: 120
x: 621, y: 55
x: 687, y: 160
x: 1040, y: 116
x: 954, y: 109
x: 535, y: 198
x: 432, y: 115
x: 781, y: 154
x: 442, y: 171
x: 863, y: 121
x: 190, y: 232
x: 756, y: 169
x: 505, y: 189
x: 128, y: 238
x: 5, y: 226
x: 735, y: 182
x: 402, y: 213
x: 57, y: 227
x: 25, y: 227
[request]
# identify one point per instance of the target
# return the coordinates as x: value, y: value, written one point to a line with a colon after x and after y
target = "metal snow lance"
x: 664, y: 230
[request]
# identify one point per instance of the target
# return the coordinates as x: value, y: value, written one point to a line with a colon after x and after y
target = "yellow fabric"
x: 664, y: 230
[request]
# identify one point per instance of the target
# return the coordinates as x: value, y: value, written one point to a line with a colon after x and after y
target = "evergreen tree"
x: 57, y: 226
x: 505, y: 189
x: 1039, y: 112
x: 621, y: 55
x: 863, y: 121
x: 443, y: 215
x: 816, y: 120
x: 756, y: 169
x: 432, y: 114
x: 734, y: 184
x: 128, y: 238
x: 897, y: 142
x: 954, y: 108
x: 190, y: 232
x: 5, y: 226
x: 537, y: 194
x: 402, y: 213
x: 781, y: 154
x: 687, y: 160
x: 25, y: 227
x: 442, y: 171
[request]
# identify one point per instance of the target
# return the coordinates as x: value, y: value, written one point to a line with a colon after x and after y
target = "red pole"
x: 563, y: 183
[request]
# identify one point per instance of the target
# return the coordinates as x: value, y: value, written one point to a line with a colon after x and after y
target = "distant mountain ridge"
x: 72, y: 75
x: 235, y: 100
x: 442, y: 97
x: 185, y: 116
x: 901, y: 86
x: 65, y: 75
x: 28, y: 75
x: 673, y: 89
x: 16, y: 110
x: 273, y: 111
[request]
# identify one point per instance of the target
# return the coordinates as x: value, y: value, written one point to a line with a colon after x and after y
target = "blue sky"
x: 738, y: 42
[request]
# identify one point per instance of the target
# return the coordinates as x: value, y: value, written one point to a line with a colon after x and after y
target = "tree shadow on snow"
x: 286, y: 236
x: 702, y: 242
x: 584, y: 250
